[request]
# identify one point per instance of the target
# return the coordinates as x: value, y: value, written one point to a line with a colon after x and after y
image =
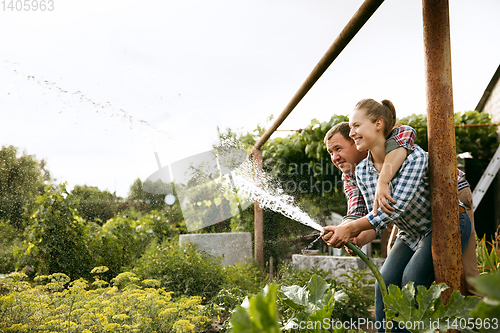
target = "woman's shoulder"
x: 417, y: 154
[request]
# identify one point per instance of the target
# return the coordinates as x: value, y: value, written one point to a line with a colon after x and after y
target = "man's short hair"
x: 342, y: 128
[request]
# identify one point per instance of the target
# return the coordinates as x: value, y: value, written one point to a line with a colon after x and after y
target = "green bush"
x: 182, y: 270
x: 8, y: 241
x: 246, y: 277
x: 58, y: 305
x: 55, y: 240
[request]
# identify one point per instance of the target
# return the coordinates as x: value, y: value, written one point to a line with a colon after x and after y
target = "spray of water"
x: 269, y: 195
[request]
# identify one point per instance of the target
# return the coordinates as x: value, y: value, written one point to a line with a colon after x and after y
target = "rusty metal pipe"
x: 364, y: 12
x: 258, y: 213
x: 446, y: 249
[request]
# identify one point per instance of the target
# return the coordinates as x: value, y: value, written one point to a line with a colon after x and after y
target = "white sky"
x: 96, y: 87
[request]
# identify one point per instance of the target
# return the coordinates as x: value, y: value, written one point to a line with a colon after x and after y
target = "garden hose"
x: 373, y: 268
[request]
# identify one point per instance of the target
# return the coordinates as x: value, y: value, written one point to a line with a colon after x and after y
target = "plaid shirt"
x: 410, y: 187
x: 403, y: 136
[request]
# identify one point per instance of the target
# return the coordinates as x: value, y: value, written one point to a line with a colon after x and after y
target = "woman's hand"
x: 362, y: 239
x: 382, y: 198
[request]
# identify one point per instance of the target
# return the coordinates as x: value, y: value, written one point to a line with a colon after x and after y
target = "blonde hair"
x: 375, y: 110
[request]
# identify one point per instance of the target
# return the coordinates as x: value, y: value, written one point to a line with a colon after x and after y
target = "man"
x: 345, y: 156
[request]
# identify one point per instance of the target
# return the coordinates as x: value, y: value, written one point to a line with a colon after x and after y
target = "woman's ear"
x: 379, y: 124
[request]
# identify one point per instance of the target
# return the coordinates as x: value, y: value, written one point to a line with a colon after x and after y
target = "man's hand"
x: 382, y: 198
x: 338, y: 235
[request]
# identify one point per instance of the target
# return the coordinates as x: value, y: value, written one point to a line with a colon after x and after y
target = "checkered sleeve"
x: 401, y: 136
x: 412, y: 173
x: 462, y: 183
x: 356, y: 206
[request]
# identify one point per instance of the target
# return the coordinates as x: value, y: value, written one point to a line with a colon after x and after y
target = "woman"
x: 410, y: 259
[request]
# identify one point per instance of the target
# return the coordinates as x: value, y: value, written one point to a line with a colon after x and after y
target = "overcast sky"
x: 96, y: 87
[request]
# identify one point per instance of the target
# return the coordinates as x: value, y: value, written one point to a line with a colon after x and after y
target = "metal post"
x: 364, y: 12
x: 446, y: 248
x: 258, y: 213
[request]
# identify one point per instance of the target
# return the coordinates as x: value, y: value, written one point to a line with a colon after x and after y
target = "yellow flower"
x: 111, y: 327
x: 120, y: 317
x: 183, y: 326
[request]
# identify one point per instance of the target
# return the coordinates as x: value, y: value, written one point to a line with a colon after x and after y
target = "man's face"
x: 344, y: 154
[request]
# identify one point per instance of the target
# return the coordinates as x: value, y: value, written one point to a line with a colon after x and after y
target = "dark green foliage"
x: 246, y: 277
x: 55, y: 240
x: 95, y: 205
x: 480, y: 141
x: 182, y: 270
x: 122, y: 240
x: 360, y: 296
x: 9, y: 239
x: 21, y: 180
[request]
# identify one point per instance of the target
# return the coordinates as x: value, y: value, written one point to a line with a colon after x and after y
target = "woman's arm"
x: 397, y: 147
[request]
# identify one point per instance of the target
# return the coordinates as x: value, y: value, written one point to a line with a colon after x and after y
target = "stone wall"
x: 336, y: 265
x: 232, y: 246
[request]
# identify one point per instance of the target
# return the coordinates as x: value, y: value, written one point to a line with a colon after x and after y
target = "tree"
x: 22, y: 178
x: 143, y: 200
x: 56, y: 239
x: 95, y: 205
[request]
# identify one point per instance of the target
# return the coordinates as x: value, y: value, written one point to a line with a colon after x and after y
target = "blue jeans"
x: 404, y: 265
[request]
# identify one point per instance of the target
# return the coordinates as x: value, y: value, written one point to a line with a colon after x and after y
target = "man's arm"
x: 356, y: 206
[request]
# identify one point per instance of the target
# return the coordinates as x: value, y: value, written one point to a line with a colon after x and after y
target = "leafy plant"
x: 260, y: 316
x: 9, y: 239
x: 288, y: 276
x: 360, y: 296
x: 431, y: 314
x: 182, y: 270
x: 488, y: 257
x: 246, y: 277
x: 314, y: 302
x: 56, y: 238
x: 488, y: 310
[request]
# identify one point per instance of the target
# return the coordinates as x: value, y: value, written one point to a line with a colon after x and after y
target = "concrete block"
x: 232, y: 246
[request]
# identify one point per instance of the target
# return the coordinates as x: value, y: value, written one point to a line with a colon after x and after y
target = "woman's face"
x: 364, y: 131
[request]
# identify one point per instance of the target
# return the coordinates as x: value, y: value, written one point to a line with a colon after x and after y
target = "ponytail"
x: 375, y: 110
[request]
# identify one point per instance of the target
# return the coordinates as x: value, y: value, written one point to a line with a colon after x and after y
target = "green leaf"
x: 296, y: 294
x: 261, y: 315
x: 400, y: 305
x: 241, y: 321
x: 487, y: 284
x: 317, y: 287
